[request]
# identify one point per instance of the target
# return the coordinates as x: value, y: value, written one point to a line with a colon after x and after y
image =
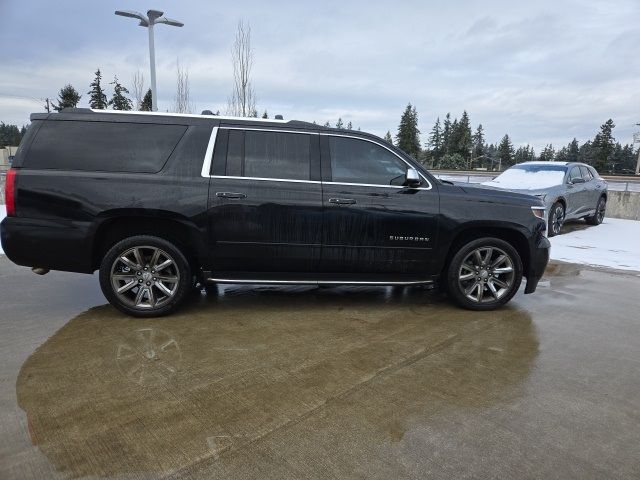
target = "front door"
x: 576, y: 194
x: 371, y: 223
x: 265, y: 206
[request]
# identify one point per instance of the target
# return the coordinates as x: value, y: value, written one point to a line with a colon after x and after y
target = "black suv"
x: 162, y: 202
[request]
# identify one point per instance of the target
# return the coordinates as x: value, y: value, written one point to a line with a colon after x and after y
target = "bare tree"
x: 182, y: 101
x: 138, y: 89
x: 242, y: 102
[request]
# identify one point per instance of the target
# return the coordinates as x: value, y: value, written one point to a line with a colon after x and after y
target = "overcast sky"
x: 543, y: 71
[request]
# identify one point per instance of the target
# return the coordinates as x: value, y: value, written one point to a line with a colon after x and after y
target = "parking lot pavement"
x: 257, y: 382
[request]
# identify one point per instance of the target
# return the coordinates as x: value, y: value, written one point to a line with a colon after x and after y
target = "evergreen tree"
x: 408, y: 137
x: 67, y: 98
x: 446, y: 133
x: 524, y: 154
x: 452, y: 161
x: 327, y: 124
x: 10, y: 135
x: 266, y: 115
x: 547, y: 154
x: 587, y: 153
x: 349, y: 126
x: 147, y: 104
x: 491, y: 156
x: 478, y: 144
x: 387, y: 137
x: 573, y: 151
x: 603, y: 145
x: 464, y: 138
x: 505, y: 152
x: 97, y: 97
x: 435, y: 149
x: 629, y: 159
x: 435, y: 141
x: 454, y: 136
x: 339, y: 123
x: 118, y: 100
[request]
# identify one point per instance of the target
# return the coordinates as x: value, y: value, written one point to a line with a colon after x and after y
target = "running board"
x: 317, y: 282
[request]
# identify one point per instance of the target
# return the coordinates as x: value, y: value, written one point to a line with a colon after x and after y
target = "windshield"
x: 530, y: 177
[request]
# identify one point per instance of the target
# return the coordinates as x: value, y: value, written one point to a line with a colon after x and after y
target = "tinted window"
x: 539, y: 167
x: 26, y: 140
x: 103, y: 146
x: 575, y: 174
x: 360, y: 161
x: 276, y: 155
x: 234, y: 153
x: 586, y: 174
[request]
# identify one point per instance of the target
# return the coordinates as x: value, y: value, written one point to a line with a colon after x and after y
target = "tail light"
x: 10, y: 192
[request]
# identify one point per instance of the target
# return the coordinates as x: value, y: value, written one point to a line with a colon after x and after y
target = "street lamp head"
x: 153, y: 14
x: 152, y: 17
x: 131, y: 14
x: 168, y: 21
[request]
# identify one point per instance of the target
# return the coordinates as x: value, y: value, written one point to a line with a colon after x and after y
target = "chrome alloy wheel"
x: 145, y: 277
x: 557, y: 219
x: 486, y: 274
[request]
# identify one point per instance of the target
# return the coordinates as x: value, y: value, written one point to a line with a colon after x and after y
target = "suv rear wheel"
x: 145, y: 276
x: 598, y: 216
x: 484, y: 274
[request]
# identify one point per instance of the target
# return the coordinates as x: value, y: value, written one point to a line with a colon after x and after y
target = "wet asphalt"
x: 278, y: 383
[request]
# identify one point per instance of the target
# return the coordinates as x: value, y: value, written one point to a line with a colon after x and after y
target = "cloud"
x: 543, y: 74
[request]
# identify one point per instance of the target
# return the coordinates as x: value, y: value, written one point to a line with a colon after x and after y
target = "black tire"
x: 130, y: 264
x: 598, y: 216
x: 556, y: 219
x: 484, y: 279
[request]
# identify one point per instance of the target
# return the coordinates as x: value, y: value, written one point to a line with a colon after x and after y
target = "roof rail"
x: 170, y: 114
x: 75, y: 110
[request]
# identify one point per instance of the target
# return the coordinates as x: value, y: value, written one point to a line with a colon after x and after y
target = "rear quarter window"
x: 103, y: 146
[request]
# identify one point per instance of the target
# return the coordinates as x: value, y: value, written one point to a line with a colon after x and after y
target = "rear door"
x: 265, y: 201
x: 371, y: 223
x: 593, y: 189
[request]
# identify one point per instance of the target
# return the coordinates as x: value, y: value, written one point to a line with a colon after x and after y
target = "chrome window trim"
x: 231, y: 177
x: 332, y: 134
x: 208, y: 155
x: 374, y: 185
x: 208, y: 158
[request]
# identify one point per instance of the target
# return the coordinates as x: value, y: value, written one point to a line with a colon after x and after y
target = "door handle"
x: 342, y: 201
x: 230, y: 195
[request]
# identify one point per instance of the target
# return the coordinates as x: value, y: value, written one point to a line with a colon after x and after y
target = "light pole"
x: 152, y: 17
x: 636, y: 139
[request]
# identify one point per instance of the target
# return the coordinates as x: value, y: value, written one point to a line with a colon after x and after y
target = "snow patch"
x: 614, y: 244
x: 518, y: 179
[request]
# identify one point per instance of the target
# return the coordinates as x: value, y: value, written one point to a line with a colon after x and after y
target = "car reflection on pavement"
x: 109, y: 395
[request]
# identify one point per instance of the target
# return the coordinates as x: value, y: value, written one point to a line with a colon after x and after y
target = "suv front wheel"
x: 484, y: 274
x: 145, y: 276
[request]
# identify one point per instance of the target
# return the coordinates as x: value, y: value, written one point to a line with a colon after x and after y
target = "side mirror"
x: 578, y: 180
x: 412, y: 178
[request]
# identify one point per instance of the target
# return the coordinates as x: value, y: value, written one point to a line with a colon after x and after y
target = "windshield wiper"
x: 446, y: 181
